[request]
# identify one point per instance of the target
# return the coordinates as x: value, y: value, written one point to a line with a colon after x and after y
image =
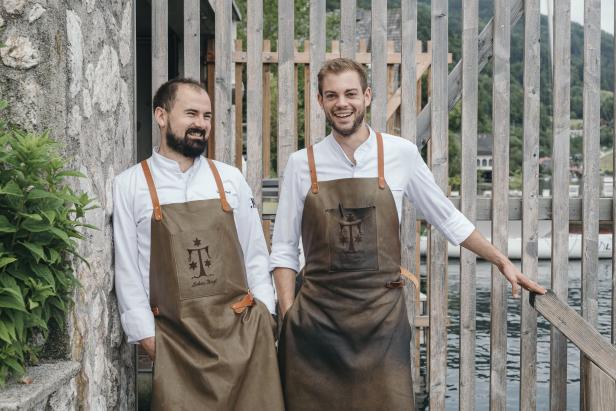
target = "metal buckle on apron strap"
x: 241, y: 306
x: 395, y: 284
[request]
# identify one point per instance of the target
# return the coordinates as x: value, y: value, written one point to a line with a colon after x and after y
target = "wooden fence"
x: 420, y: 122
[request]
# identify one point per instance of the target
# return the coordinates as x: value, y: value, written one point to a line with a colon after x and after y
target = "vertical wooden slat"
x: 211, y: 142
x: 500, y: 193
x: 267, y: 112
x: 378, y: 65
x: 222, y: 87
x: 408, y: 109
x: 192, y: 35
x: 160, y: 54
x: 287, y: 129
x: 307, y: 98
x: 590, y: 179
x: 530, y: 203
x: 239, y: 108
x: 254, y: 99
x: 391, y: 73
x: 348, y: 17
x: 614, y: 214
x: 468, y: 201
x: 560, y: 195
x: 317, y: 57
x: 438, y: 243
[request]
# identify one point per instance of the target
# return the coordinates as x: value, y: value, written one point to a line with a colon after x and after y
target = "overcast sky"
x: 577, y: 12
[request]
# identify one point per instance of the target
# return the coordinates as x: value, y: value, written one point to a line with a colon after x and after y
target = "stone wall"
x: 68, y: 67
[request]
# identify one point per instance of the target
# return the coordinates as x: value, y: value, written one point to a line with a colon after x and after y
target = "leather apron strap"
x: 314, y: 186
x: 221, y: 189
x: 158, y: 215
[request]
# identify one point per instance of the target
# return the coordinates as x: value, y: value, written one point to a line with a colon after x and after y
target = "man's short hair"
x: 165, y: 95
x: 340, y: 65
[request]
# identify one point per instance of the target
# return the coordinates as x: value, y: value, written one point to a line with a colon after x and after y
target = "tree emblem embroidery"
x: 350, y: 229
x: 203, y: 255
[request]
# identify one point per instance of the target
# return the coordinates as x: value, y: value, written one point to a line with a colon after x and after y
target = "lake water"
x: 513, y: 340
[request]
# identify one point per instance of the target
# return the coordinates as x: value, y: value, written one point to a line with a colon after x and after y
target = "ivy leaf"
x: 60, y: 234
x: 10, y: 298
x: 35, y: 249
x: 4, y: 261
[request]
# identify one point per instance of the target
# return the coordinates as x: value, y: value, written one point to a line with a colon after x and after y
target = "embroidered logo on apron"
x: 197, y: 273
x: 352, y: 239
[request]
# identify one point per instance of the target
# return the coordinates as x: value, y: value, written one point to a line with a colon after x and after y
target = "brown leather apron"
x: 344, y: 342
x: 214, y: 343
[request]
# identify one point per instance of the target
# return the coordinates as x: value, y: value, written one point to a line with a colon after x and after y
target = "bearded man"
x: 345, y: 337
x: 191, y: 270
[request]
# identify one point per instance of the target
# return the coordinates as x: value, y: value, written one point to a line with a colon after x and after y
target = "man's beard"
x: 359, y: 119
x: 186, y: 146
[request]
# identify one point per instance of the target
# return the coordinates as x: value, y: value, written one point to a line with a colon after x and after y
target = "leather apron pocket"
x: 199, y: 269
x: 352, y: 234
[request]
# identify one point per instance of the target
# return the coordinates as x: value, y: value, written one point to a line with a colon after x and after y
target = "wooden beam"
x: 160, y: 54
x: 348, y: 18
x: 378, y: 65
x: 267, y: 114
x: 192, y: 39
x: 578, y: 330
x: 222, y: 86
x: 239, y: 110
x: 287, y: 128
x: 561, y: 69
x: 454, y: 79
x: 317, y: 57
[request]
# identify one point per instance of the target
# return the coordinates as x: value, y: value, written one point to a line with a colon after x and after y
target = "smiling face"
x: 187, y: 124
x: 344, y: 102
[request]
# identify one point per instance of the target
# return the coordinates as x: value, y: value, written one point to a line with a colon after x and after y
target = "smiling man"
x: 345, y: 337
x: 189, y: 257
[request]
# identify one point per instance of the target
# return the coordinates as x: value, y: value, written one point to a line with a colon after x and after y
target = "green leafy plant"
x: 40, y: 219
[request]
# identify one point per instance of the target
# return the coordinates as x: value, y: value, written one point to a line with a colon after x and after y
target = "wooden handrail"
x: 577, y: 330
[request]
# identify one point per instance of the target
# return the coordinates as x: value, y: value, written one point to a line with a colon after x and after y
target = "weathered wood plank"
x: 590, y: 178
x: 254, y: 100
x: 438, y: 243
x: 267, y: 114
x: 560, y: 193
x: 578, y: 330
x: 239, y: 109
x: 192, y: 36
x: 468, y: 201
x: 454, y: 79
x: 603, y: 397
x: 614, y: 222
x: 287, y: 124
x: 222, y: 87
x: 500, y: 194
x: 211, y: 142
x: 160, y: 54
x: 391, y: 73
x: 408, y: 110
x: 317, y: 57
x: 348, y: 17
x: 378, y: 65
x: 530, y: 204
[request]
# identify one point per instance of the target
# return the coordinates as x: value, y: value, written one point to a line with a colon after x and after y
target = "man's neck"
x: 350, y: 143
x: 184, y: 162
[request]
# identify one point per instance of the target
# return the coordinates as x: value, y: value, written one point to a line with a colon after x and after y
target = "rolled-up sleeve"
x: 436, y: 208
x: 252, y: 241
x: 287, y: 229
x: 135, y: 313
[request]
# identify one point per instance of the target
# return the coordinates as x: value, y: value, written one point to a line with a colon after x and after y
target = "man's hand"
x: 483, y: 248
x: 284, y: 278
x: 517, y: 280
x: 149, y: 345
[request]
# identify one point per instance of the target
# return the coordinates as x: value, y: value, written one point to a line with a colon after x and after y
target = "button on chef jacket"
x: 132, y: 213
x: 405, y: 172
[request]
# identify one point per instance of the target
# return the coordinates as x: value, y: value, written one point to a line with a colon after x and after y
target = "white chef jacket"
x: 405, y: 172
x: 132, y: 212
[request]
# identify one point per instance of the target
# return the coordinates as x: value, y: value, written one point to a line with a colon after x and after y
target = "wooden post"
x: 287, y: 129
x: 348, y: 17
x: 239, y: 108
x: 192, y: 39
x: 267, y: 113
x: 254, y: 100
x: 222, y: 86
x: 590, y: 180
x: 307, y: 98
x: 560, y: 195
x: 468, y: 202
x: 391, y: 72
x: 378, y: 65
x: 211, y: 142
x: 530, y: 203
x: 409, y: 226
x: 317, y: 57
x: 614, y: 216
x: 160, y: 54
x: 438, y: 243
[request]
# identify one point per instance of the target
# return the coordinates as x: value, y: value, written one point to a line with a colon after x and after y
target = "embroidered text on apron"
x: 214, y: 342
x: 344, y: 343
